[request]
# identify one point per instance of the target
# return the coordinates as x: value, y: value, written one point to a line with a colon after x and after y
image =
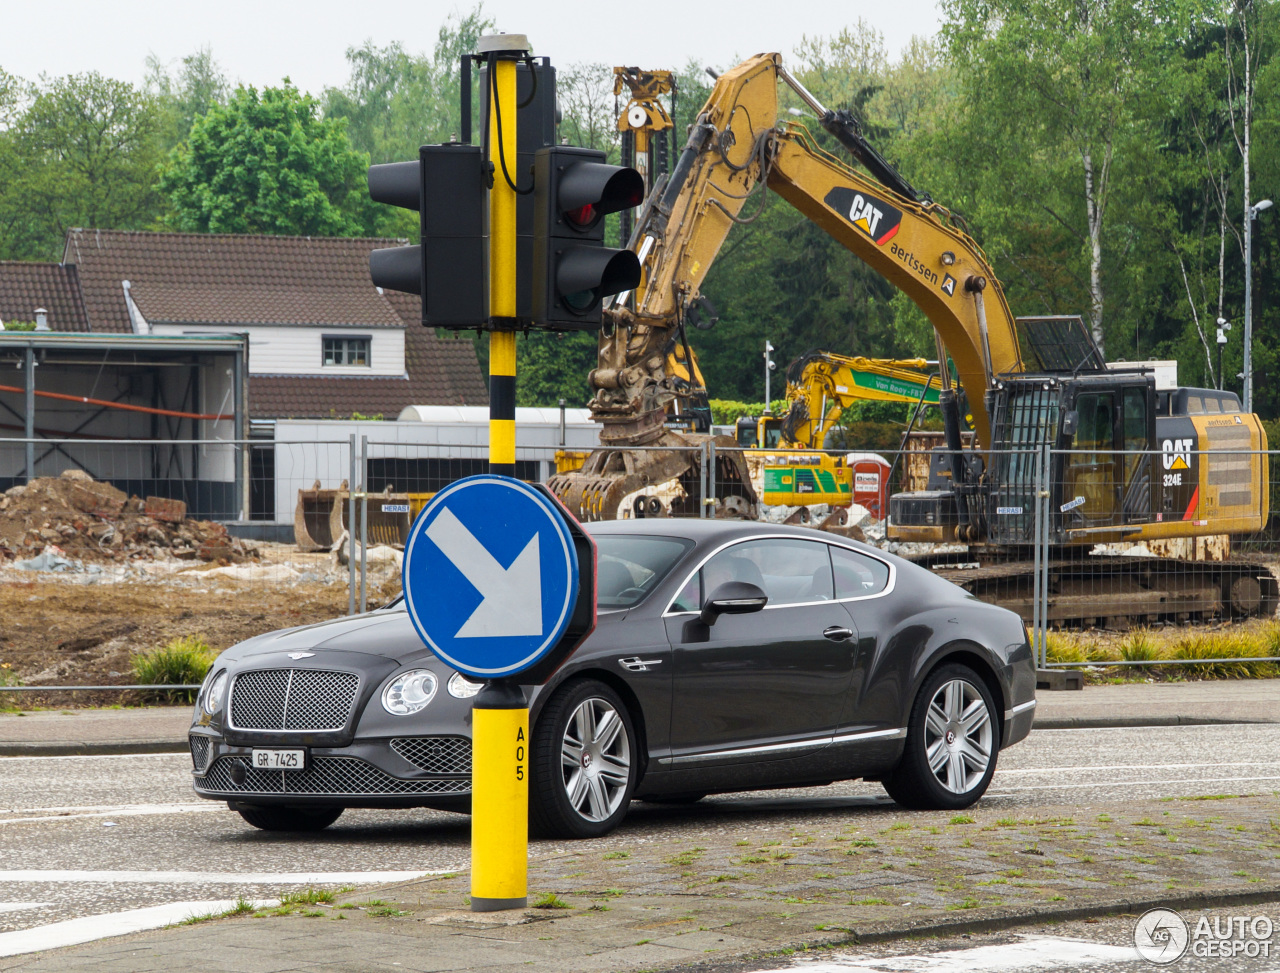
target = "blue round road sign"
x: 490, y: 576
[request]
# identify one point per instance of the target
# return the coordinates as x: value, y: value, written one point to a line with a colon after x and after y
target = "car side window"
x: 788, y: 571
x: 690, y: 597
x: 858, y: 575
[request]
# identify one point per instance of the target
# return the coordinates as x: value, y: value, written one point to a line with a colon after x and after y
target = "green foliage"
x: 197, y: 86
x: 79, y: 150
x: 268, y: 163
x: 726, y: 412
x: 396, y: 101
x: 552, y: 366
x: 19, y: 325
x: 549, y: 900
x: 185, y: 660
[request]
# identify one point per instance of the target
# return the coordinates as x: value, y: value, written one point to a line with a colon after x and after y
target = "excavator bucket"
x: 317, y: 518
x: 389, y: 518
x: 621, y: 483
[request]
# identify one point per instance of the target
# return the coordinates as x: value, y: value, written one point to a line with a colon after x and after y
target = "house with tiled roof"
x: 31, y: 290
x: 323, y: 341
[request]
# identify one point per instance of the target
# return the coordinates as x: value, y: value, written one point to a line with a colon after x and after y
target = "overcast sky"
x: 260, y: 42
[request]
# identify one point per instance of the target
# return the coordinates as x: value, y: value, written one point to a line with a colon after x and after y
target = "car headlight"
x: 409, y: 692
x: 462, y: 687
x: 211, y: 697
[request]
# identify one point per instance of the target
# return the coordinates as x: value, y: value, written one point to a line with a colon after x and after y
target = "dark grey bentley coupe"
x: 728, y: 656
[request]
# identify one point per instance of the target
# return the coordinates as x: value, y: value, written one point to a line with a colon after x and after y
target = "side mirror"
x: 733, y: 598
x: 1070, y: 421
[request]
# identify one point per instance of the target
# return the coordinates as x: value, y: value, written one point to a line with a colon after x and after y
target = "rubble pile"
x: 85, y: 520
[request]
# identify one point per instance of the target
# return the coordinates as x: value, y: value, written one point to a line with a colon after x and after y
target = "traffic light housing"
x: 450, y: 267
x: 573, y: 271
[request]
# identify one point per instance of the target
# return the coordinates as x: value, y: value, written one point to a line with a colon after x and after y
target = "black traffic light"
x: 573, y: 271
x: 450, y: 268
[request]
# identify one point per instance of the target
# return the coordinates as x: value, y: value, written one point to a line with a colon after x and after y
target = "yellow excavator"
x: 1032, y: 384
x: 820, y: 386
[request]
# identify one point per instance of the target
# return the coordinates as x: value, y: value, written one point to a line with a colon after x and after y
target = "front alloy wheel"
x: 952, y: 741
x: 584, y: 762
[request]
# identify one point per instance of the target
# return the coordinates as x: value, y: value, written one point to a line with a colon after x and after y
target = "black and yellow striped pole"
x: 500, y: 716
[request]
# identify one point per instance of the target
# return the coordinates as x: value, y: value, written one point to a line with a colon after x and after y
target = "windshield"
x: 629, y: 566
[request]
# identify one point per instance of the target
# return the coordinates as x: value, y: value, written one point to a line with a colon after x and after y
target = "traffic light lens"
x: 579, y: 301
x: 583, y: 216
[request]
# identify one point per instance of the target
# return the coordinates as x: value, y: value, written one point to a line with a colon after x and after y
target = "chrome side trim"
x: 898, y: 734
x: 1020, y: 708
x: 791, y: 745
x: 887, y: 589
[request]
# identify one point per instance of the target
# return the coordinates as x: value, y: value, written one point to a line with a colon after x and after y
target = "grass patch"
x: 183, y: 660
x: 549, y: 900
x: 616, y: 855
x: 687, y: 857
x: 243, y: 907
x: 382, y: 912
x: 308, y: 897
x: 961, y: 819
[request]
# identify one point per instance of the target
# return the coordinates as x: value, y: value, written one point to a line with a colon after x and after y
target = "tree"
x: 198, y: 85
x: 80, y: 150
x: 1059, y: 96
x: 396, y: 101
x: 268, y: 163
x: 585, y: 94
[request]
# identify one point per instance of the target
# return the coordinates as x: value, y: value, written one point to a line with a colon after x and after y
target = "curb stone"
x: 995, y: 920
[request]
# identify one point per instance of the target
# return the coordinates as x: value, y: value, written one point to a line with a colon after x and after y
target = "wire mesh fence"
x: 1117, y: 558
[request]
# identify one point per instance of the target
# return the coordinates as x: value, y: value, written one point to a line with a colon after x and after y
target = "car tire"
x: 585, y: 762
x: 953, y: 738
x: 299, y: 819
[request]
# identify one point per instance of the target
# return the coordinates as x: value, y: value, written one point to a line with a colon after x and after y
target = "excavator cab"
x: 764, y: 432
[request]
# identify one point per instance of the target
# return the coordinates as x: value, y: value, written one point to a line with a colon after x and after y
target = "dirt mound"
x: 95, y: 522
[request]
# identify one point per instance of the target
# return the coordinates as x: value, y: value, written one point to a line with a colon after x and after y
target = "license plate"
x: 280, y: 759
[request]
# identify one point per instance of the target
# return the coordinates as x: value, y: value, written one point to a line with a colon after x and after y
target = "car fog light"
x: 462, y: 687
x: 409, y: 692
x: 213, y: 695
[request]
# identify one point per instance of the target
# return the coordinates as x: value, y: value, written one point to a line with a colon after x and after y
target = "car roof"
x: 698, y: 529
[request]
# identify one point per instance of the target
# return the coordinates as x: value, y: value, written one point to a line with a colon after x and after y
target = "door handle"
x: 837, y: 633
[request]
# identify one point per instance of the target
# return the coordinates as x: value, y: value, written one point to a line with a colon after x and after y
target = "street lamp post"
x: 1249, y: 226
x: 769, y: 366
x: 1223, y: 328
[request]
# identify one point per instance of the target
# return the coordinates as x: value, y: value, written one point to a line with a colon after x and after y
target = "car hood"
x: 386, y: 634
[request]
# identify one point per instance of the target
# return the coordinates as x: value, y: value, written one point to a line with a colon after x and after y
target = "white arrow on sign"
x: 512, y: 602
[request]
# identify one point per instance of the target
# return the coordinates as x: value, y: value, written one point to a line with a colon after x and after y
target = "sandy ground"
x: 83, y: 628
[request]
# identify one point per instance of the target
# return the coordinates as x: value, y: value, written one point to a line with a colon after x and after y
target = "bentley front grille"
x: 436, y: 755
x: 325, y: 776
x: 292, y: 699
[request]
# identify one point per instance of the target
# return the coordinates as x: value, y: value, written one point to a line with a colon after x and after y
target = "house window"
x: 346, y: 351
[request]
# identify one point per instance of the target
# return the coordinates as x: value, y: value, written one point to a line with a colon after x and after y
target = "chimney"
x: 42, y: 319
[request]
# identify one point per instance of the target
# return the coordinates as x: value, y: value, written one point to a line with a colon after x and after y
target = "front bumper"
x: 1017, y: 723
x: 429, y: 771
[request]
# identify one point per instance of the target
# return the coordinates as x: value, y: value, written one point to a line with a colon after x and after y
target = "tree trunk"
x: 1093, y: 211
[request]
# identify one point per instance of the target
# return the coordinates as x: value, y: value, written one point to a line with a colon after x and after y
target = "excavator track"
x: 1098, y: 591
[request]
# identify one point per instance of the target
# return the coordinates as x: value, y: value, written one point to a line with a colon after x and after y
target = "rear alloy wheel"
x: 952, y: 741
x: 289, y: 818
x: 584, y: 763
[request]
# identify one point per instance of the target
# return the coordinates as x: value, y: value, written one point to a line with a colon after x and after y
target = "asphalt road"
x: 91, y: 835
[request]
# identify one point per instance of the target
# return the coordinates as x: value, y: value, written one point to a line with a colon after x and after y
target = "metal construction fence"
x: 1107, y: 541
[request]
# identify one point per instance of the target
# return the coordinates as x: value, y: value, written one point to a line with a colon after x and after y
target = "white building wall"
x: 300, y: 351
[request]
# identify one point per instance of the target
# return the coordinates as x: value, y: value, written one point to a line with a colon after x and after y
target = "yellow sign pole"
x: 500, y: 716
